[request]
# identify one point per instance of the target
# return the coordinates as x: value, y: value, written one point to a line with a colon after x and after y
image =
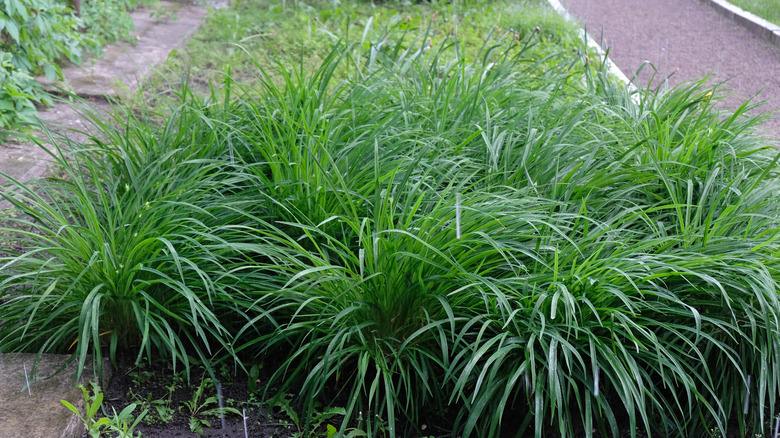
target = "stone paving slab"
x: 23, y: 160
x: 22, y: 163
x: 35, y: 410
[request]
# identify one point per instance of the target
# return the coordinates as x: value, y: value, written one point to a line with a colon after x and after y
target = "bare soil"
x: 685, y: 40
x: 154, y: 385
x: 157, y: 385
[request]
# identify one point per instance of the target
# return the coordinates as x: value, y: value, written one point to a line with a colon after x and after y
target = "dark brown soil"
x: 685, y: 40
x: 152, y: 385
x: 156, y: 385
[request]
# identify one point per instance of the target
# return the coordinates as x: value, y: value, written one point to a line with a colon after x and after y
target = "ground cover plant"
x: 37, y: 37
x: 35, y: 34
x: 430, y: 242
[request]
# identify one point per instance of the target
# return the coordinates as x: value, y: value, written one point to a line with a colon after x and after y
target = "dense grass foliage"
x: 433, y: 241
x: 117, y: 253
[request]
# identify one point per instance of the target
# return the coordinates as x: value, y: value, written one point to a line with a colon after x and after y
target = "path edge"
x: 611, y: 67
x: 760, y: 27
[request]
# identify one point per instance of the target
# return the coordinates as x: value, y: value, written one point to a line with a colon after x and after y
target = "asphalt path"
x: 675, y: 41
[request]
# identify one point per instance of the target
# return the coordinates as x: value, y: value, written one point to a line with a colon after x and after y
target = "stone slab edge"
x: 760, y: 27
x: 75, y: 428
x: 613, y: 69
x: 38, y: 412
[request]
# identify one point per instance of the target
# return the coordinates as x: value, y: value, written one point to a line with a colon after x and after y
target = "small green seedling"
x: 200, y: 407
x: 91, y: 406
x: 119, y: 425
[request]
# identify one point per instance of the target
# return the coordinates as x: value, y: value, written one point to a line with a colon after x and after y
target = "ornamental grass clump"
x: 118, y: 248
x: 428, y: 242
x: 596, y: 289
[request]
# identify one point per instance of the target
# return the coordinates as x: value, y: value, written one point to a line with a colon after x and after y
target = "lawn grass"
x: 766, y: 9
x: 481, y: 232
x: 253, y: 32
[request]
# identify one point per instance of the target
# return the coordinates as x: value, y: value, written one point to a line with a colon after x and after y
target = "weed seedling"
x: 119, y: 425
x: 92, y: 405
x: 161, y: 407
x: 200, y: 407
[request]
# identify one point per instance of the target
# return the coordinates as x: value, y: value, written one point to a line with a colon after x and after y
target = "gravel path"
x: 685, y: 40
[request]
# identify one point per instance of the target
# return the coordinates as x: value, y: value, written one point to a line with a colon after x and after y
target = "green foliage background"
x: 34, y: 36
x: 38, y: 36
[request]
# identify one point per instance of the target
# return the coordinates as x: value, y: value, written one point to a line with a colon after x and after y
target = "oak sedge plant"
x: 482, y: 246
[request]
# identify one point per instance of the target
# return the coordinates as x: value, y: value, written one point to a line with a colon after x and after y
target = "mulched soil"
x: 685, y: 40
x: 152, y: 383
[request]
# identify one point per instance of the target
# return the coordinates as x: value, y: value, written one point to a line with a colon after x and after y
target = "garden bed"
x: 416, y: 233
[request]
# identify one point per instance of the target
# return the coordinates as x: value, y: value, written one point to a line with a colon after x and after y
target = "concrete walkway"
x: 685, y: 40
x: 30, y: 405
